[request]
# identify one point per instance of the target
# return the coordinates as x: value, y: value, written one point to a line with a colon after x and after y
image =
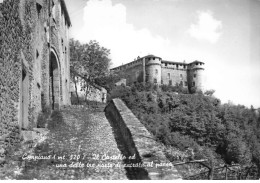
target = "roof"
x: 151, y: 56
x: 173, y: 62
x: 64, y: 7
x: 196, y: 61
x: 183, y: 63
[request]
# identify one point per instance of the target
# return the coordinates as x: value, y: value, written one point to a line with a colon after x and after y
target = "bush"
x: 198, y: 121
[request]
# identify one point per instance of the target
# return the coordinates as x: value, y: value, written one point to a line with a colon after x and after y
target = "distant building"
x: 153, y: 69
x: 94, y: 92
x: 121, y: 82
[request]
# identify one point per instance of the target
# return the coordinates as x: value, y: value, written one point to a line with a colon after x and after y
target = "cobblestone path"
x: 80, y: 145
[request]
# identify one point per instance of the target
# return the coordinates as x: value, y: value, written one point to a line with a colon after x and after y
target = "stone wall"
x: 134, y: 74
x: 10, y: 69
x: 25, y: 61
x: 121, y: 82
x: 139, y: 142
x: 157, y: 70
x: 98, y: 94
x: 176, y: 76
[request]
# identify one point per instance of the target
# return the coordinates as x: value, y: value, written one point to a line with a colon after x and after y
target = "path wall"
x: 138, y: 141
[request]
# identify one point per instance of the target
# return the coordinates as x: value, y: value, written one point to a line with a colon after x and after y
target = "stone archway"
x: 54, y: 82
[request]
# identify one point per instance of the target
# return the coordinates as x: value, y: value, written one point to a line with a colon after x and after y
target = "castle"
x: 34, y: 63
x: 153, y: 69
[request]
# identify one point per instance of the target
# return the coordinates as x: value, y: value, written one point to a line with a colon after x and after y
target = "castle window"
x: 184, y: 66
x: 186, y: 84
x: 170, y: 82
x: 37, y: 53
x: 177, y: 66
x: 156, y: 71
x: 153, y: 58
x: 169, y: 75
x: 194, y: 75
x: 193, y: 83
x: 181, y: 83
x: 38, y: 7
x: 137, y: 74
x: 166, y: 65
x: 181, y: 76
x: 155, y: 80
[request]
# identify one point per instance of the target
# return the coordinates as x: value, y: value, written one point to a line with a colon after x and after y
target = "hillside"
x: 227, y: 135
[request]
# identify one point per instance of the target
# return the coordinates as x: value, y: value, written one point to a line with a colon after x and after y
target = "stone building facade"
x: 153, y: 69
x: 34, y: 63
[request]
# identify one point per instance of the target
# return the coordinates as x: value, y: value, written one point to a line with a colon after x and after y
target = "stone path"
x: 80, y: 145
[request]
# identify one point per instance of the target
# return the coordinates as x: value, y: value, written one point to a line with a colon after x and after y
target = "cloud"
x: 107, y: 24
x: 207, y: 27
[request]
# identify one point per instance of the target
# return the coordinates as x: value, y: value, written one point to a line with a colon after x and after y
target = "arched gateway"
x: 54, y: 81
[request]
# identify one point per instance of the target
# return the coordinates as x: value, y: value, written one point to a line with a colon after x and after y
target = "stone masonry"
x: 34, y: 63
x: 139, y: 142
x: 153, y: 69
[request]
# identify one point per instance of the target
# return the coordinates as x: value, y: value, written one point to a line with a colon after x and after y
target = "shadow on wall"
x: 132, y: 173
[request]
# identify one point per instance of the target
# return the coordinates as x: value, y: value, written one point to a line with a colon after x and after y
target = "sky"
x: 224, y: 34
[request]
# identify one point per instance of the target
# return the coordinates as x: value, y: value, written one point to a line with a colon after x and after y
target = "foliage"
x: 89, y: 62
x: 220, y: 132
x: 176, y: 88
x: 108, y: 81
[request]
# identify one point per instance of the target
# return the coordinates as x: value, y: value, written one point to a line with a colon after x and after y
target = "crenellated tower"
x: 196, y: 75
x: 153, y: 69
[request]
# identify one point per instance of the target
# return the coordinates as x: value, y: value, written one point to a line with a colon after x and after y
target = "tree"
x: 108, y: 82
x: 95, y: 61
x: 75, y: 55
x: 89, y: 62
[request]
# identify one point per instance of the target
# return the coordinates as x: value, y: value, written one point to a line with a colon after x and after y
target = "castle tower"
x: 153, y: 69
x: 196, y: 75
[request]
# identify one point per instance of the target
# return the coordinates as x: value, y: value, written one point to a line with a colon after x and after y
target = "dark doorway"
x: 54, y: 82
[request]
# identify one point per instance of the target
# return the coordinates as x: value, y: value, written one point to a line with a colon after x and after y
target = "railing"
x: 222, y: 172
